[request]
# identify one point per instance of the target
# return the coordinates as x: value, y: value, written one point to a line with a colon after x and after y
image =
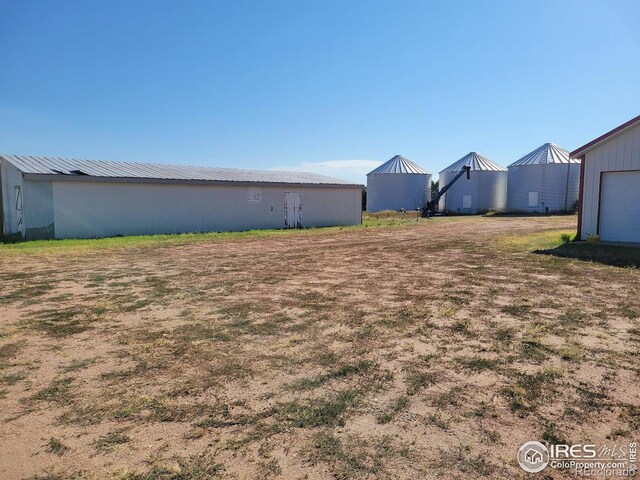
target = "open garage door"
x: 620, y: 206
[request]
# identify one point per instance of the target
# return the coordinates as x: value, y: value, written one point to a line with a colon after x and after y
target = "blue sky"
x: 334, y: 86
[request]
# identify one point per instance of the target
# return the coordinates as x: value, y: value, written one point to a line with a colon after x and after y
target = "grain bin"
x: 396, y: 184
x: 543, y: 181
x: 486, y: 188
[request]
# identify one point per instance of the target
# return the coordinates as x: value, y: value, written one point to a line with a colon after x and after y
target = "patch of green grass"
x: 400, y: 404
x: 534, y: 349
x: 59, y: 391
x: 566, y: 237
x: 573, y: 318
x: 571, y: 353
x: 516, y: 310
x: 198, y: 467
x: 552, y: 435
x: 56, y: 446
x: 461, y: 326
x: 593, y: 398
x: 84, y: 415
x: 530, y: 390
x: 61, y: 322
x: 77, y: 365
x: 198, y: 332
x: 616, y: 433
x: 631, y: 414
x: 49, y: 247
x: 270, y: 468
x: 110, y: 441
x: 451, y: 398
x: 329, y: 448
x: 9, y: 351
x: 317, y: 413
x: 11, y: 378
x: 478, y: 364
x: 29, y: 292
x: 156, y: 409
x: 465, y: 460
x: 354, y: 457
x: 52, y: 476
x: 360, y: 367
x: 417, y: 379
x: 504, y: 334
x: 533, y: 241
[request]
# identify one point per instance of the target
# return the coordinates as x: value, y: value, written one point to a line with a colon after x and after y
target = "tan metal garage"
x: 610, y: 185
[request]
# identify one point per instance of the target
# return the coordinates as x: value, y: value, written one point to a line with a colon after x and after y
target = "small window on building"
x: 533, y: 199
x: 255, y: 194
x: 466, y: 201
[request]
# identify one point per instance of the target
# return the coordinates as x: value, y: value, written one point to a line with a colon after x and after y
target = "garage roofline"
x: 602, y: 138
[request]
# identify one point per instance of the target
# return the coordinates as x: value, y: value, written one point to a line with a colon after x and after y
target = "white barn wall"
x: 12, y: 199
x: 620, y: 153
x: 87, y: 209
x: 38, y: 210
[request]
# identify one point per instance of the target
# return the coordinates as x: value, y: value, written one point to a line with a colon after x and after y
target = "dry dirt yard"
x: 422, y: 350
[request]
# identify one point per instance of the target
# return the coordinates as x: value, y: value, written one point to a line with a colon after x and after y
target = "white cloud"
x: 354, y: 170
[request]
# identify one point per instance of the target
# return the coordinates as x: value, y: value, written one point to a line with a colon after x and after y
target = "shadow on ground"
x: 617, y: 256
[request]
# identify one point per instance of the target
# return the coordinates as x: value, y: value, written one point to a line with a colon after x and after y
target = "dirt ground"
x: 429, y: 350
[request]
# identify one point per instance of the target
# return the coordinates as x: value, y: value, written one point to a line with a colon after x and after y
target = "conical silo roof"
x: 547, y: 153
x: 398, y: 164
x: 476, y: 162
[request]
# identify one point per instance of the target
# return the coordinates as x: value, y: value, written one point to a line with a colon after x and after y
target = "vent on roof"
x: 77, y: 172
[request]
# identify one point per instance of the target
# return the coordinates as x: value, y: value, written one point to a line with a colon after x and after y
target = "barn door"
x: 292, y: 210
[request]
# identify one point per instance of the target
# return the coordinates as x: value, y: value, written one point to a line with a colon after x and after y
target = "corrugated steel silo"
x: 486, y: 189
x: 545, y: 180
x: 396, y: 184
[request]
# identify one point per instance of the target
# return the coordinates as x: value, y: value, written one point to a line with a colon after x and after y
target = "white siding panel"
x: 12, y: 199
x: 84, y: 209
x: 620, y: 207
x: 620, y: 153
x: 38, y: 210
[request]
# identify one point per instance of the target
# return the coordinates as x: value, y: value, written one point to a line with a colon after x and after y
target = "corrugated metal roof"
x: 111, y: 169
x: 547, y: 153
x: 399, y: 164
x: 476, y: 162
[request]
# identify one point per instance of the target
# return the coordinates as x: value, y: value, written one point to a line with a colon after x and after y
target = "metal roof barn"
x: 486, y: 188
x: 45, y: 197
x: 396, y: 184
x: 545, y: 180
